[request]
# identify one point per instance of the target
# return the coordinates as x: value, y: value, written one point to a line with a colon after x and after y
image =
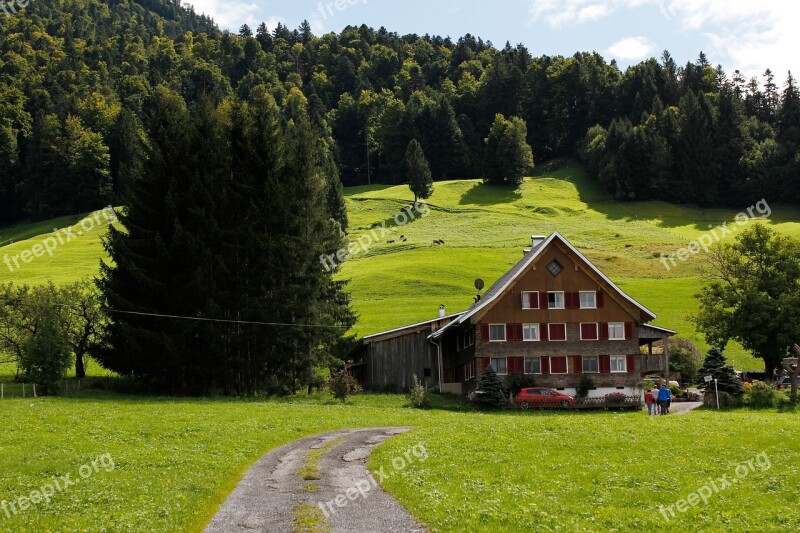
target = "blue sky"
x: 738, y: 34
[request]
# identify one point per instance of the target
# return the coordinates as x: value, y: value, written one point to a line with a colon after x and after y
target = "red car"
x: 539, y: 397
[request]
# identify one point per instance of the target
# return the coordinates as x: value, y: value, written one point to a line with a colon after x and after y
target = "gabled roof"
x: 507, y: 279
x: 399, y: 331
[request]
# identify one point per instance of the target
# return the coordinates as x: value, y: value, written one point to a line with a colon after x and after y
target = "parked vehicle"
x: 541, y: 397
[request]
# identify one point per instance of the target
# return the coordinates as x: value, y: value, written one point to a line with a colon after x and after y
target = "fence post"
x: 2, y: 391
x: 34, y: 390
x: 23, y: 389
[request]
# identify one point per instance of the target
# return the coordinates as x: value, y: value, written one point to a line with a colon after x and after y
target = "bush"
x: 490, y: 389
x: 343, y: 385
x: 517, y: 382
x: 419, y: 396
x: 760, y: 395
x: 583, y: 388
x: 676, y: 391
x: 615, y: 398
x: 46, y: 356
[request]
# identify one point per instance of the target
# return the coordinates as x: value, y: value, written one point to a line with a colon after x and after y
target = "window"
x: 558, y: 365
x: 616, y: 331
x: 497, y: 332
x: 555, y: 300
x: 530, y: 300
x: 589, y: 331
x: 588, y: 300
x: 591, y: 365
x: 557, y: 332
x: 618, y: 363
x: 555, y: 268
x: 533, y: 365
x: 530, y: 332
x: 500, y: 365
x: 469, y: 337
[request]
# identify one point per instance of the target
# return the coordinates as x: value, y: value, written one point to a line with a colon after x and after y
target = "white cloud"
x: 631, y: 48
x: 740, y: 34
x: 229, y: 14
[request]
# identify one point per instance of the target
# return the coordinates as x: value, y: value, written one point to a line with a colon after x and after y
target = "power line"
x: 216, y: 320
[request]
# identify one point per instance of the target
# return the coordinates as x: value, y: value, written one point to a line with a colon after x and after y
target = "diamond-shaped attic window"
x: 555, y: 268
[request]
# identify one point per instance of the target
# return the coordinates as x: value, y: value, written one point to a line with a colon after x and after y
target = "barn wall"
x: 393, y: 362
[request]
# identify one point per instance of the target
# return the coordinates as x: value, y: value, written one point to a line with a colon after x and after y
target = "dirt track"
x: 269, y: 493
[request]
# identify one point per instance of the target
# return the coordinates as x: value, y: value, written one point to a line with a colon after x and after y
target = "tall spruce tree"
x: 419, y: 175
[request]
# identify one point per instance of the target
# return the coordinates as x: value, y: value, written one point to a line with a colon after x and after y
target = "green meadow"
x: 484, y: 230
x: 175, y: 461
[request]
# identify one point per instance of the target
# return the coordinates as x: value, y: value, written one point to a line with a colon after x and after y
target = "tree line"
x: 77, y: 78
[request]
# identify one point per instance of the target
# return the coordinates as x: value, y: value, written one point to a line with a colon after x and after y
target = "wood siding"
x: 393, y: 362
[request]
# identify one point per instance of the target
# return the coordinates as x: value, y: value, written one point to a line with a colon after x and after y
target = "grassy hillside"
x: 484, y: 230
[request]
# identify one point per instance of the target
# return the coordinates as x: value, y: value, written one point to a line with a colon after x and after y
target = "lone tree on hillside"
x: 419, y: 173
x: 717, y: 366
x: 754, y: 295
x: 508, y: 155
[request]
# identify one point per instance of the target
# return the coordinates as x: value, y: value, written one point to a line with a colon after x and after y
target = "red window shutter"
x: 578, y: 363
x: 631, y: 364
x: 534, y: 300
x: 545, y: 365
x: 518, y: 332
x: 559, y: 365
x: 485, y: 332
x: 516, y: 365
x: 485, y: 361
x: 601, y: 300
x: 573, y: 300
x: 543, y: 301
x: 589, y: 332
x: 628, y: 330
x: 559, y: 332
x: 605, y: 364
x: 543, y: 334
x: 603, y: 331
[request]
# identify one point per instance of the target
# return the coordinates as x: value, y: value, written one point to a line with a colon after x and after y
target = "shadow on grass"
x: 485, y: 194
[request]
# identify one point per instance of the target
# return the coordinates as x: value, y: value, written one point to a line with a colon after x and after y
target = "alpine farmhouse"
x: 553, y: 315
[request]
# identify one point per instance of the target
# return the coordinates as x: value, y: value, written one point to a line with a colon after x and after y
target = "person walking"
x: 649, y: 399
x: 664, y: 399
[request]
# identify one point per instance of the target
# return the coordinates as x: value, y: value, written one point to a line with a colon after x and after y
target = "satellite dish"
x: 479, y: 284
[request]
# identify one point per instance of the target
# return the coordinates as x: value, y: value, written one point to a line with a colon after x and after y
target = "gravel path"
x: 271, y: 490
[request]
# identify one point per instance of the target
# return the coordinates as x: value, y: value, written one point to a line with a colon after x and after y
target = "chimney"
x: 441, y: 311
x: 536, y: 240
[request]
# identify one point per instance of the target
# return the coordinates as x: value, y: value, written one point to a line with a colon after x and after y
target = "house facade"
x: 554, y: 316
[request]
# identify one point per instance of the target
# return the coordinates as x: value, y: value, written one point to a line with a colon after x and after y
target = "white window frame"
x: 525, y: 369
x: 624, y: 359
x: 505, y: 360
x: 550, y: 332
x: 594, y: 299
x: 527, y: 327
x: 613, y: 326
x: 596, y: 329
x: 530, y: 306
x: 597, y: 364
x: 566, y: 365
x: 563, y: 302
x: 497, y: 326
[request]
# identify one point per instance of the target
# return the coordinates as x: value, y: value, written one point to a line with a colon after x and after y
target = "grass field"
x: 484, y: 229
x: 176, y: 460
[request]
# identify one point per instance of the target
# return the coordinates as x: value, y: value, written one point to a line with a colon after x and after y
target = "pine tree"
x: 419, y: 175
x: 492, y: 387
x: 716, y: 365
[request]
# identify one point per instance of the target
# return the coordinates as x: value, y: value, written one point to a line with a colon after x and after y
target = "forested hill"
x: 76, y: 79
